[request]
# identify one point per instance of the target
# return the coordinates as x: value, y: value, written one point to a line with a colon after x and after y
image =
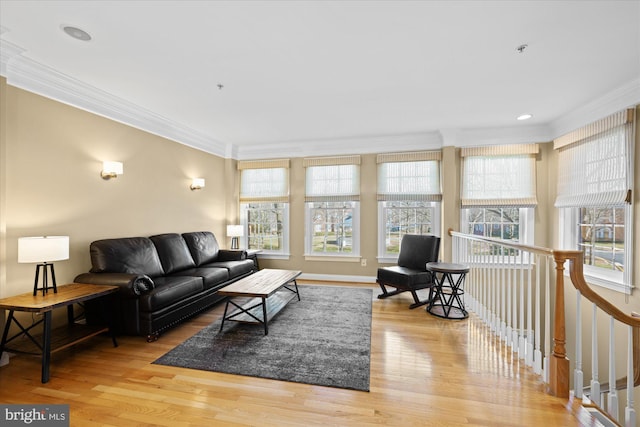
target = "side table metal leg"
x: 5, y: 333
x: 46, y: 347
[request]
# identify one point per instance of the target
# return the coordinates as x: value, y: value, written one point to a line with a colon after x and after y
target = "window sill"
x: 272, y: 255
x: 604, y: 282
x: 332, y: 258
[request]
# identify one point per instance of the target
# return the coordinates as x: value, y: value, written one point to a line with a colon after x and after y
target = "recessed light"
x: 76, y: 33
x: 524, y: 117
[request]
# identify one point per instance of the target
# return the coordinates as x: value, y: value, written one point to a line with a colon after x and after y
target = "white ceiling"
x: 330, y: 77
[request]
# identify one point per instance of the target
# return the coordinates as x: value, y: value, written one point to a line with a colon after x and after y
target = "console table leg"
x: 46, y: 347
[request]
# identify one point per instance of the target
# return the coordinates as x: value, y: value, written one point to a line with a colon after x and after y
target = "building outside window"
x: 595, y: 185
x: 264, y: 206
x: 499, y: 194
x: 409, y: 196
x: 332, y: 208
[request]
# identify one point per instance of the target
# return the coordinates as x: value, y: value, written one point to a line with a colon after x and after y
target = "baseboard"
x: 337, y: 278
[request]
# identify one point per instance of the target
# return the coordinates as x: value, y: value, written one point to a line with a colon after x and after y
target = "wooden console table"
x: 66, y: 296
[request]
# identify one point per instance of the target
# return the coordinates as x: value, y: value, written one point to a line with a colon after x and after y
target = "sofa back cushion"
x: 132, y: 255
x: 203, y: 246
x: 173, y: 252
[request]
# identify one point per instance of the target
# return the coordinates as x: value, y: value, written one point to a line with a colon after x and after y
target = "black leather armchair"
x: 411, y: 275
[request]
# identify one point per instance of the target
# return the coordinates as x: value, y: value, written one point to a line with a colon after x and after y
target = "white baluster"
x: 577, y: 373
x: 547, y: 319
x: 509, y: 306
x: 503, y: 296
x: 530, y: 303
x: 537, y: 357
x: 629, y: 411
x: 514, y: 330
x: 595, y: 383
x: 612, y: 401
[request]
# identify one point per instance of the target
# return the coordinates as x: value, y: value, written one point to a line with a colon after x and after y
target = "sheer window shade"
x: 409, y: 176
x: 332, y: 179
x: 499, y: 176
x: 264, y: 181
x: 596, y: 163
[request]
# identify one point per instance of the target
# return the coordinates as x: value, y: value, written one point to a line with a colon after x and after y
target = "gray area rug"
x: 324, y: 339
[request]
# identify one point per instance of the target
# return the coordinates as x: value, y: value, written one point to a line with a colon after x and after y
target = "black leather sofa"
x: 163, y: 279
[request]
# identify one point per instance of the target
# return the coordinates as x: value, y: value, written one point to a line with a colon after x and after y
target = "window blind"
x: 596, y: 163
x: 499, y: 176
x: 332, y: 179
x: 264, y: 181
x: 409, y: 176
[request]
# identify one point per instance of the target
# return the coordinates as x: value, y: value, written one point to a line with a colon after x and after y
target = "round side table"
x: 447, y: 301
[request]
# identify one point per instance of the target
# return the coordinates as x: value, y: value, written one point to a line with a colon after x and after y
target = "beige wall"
x: 51, y: 161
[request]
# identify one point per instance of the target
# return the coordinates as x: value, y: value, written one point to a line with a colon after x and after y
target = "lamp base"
x: 234, y: 243
x: 45, y: 279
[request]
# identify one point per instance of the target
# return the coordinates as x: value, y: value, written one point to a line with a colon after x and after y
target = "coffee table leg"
x: 264, y: 315
x: 224, y: 316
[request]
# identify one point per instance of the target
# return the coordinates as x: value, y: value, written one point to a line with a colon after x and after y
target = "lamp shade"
x: 43, y: 249
x: 235, y: 231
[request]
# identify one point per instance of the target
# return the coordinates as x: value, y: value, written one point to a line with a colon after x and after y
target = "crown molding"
x: 32, y: 76
x: 476, y: 137
x: 625, y: 96
x: 7, y: 52
x: 340, y: 146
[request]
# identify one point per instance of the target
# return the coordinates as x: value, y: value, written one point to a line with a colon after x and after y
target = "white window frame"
x: 255, y: 191
x: 526, y: 232
x: 609, y: 279
x: 572, y: 195
x: 392, y: 258
x: 353, y: 256
x: 284, y: 252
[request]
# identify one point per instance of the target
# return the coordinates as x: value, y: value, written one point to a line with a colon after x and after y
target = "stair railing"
x: 510, y: 287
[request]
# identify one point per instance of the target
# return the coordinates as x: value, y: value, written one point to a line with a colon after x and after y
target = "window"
x: 499, y: 193
x: 332, y: 207
x: 408, y: 198
x: 265, y: 222
x: 594, y: 192
x: 264, y: 206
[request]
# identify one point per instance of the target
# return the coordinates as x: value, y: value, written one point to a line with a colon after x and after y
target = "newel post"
x: 559, y: 364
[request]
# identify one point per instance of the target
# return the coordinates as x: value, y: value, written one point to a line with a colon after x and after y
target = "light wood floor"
x: 425, y: 371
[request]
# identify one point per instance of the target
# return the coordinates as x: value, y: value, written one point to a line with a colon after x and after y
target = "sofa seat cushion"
x: 212, y: 276
x: 404, y: 277
x: 235, y: 268
x: 169, y: 290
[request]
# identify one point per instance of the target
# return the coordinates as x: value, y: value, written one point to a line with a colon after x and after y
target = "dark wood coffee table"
x: 265, y: 300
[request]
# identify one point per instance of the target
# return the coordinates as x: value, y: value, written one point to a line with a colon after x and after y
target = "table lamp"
x: 235, y: 231
x: 43, y: 250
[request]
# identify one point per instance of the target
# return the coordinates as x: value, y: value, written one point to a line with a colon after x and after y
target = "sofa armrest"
x: 231, y: 255
x: 131, y: 285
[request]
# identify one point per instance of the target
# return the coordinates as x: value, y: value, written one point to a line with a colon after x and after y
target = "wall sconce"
x: 235, y: 231
x: 197, y: 184
x: 42, y: 250
x: 111, y: 169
